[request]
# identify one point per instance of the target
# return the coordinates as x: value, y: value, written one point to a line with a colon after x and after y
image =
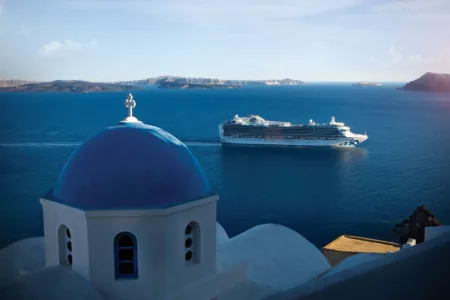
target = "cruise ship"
x: 254, y: 130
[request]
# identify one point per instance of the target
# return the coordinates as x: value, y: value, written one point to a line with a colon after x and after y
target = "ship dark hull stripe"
x: 281, y: 131
x: 312, y: 137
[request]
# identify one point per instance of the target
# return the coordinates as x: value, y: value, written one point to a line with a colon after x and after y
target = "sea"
x: 319, y: 193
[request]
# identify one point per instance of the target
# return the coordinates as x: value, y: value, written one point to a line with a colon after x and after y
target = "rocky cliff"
x: 208, y: 81
x: 429, y: 82
x: 14, y: 82
x: 182, y: 86
x: 69, y: 86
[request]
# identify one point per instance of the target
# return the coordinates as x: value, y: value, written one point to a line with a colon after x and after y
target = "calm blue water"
x: 320, y: 193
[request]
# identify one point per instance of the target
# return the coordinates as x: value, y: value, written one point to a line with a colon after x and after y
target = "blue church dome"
x: 130, y: 166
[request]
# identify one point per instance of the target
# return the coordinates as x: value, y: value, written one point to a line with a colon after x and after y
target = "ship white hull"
x: 349, y: 141
x: 297, y: 143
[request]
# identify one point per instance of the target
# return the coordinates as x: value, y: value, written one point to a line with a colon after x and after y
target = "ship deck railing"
x: 284, y: 126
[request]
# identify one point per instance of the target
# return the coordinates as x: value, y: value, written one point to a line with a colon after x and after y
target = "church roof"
x: 130, y: 166
x: 56, y: 282
x: 275, y: 256
x: 25, y: 255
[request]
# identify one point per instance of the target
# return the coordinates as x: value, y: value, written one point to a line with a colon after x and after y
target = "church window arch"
x: 192, y: 243
x: 125, y: 256
x: 65, y: 245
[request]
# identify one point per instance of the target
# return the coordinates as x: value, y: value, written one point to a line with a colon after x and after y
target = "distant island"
x: 69, y: 86
x: 429, y: 82
x: 14, y: 82
x: 165, y: 82
x: 208, y: 81
x: 196, y: 86
x: 366, y: 84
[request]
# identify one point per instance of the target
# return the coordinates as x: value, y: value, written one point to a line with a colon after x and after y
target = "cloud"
x: 412, y: 13
x: 68, y: 46
x: 397, y: 57
x: 267, y: 19
x: 56, y: 47
x: 413, y: 6
x: 1, y: 9
x: 249, y: 13
x: 218, y: 10
x: 256, y: 19
x: 417, y: 58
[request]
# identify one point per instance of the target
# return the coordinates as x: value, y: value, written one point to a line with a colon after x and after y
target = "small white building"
x: 133, y: 213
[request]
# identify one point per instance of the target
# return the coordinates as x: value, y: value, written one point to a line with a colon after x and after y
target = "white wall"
x: 102, y: 231
x: 160, y: 235
x: 221, y: 235
x: 160, y: 251
x: 56, y: 215
x: 370, y: 272
x: 434, y: 232
x: 177, y: 273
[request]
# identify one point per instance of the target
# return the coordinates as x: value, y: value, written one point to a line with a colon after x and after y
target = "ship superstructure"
x: 254, y: 130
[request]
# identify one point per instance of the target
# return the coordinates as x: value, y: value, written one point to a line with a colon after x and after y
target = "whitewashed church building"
x: 132, y: 216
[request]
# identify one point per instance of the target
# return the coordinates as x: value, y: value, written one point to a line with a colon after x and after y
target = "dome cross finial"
x: 130, y: 104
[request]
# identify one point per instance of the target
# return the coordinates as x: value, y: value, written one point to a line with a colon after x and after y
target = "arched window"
x: 125, y: 255
x: 65, y: 245
x: 192, y: 243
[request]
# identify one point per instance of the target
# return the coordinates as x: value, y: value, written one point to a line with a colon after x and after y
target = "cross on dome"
x: 130, y: 104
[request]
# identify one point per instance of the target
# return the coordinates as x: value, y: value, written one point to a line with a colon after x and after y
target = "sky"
x: 310, y: 40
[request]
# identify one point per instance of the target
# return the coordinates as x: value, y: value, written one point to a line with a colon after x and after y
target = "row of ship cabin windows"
x: 285, y: 137
x: 126, y: 247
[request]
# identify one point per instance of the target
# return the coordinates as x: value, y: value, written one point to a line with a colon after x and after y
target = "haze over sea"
x: 320, y: 193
